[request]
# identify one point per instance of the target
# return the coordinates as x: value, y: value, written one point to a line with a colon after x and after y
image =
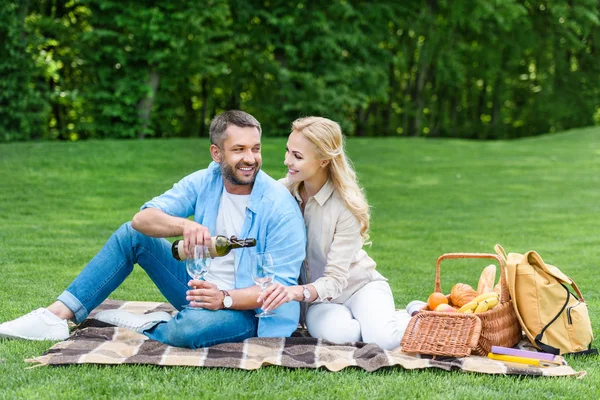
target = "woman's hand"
x: 278, y: 294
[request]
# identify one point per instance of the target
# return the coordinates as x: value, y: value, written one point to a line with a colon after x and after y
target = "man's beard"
x: 229, y: 173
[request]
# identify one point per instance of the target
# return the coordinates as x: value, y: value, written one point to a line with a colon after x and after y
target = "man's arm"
x: 156, y: 223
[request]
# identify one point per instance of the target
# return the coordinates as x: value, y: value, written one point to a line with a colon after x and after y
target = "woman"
x: 351, y: 301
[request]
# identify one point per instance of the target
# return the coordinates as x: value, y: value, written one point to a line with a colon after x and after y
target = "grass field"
x: 59, y: 202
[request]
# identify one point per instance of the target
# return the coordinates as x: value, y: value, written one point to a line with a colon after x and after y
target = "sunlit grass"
x: 59, y: 202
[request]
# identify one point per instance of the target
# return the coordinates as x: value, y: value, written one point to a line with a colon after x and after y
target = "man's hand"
x: 193, y: 234
x: 205, y: 295
x: 277, y: 294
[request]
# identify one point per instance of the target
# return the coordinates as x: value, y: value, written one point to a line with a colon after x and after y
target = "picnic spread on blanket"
x: 473, y: 330
x: 94, y: 342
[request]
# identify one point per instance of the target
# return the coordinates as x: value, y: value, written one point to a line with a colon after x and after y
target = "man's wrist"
x: 221, y: 299
x: 227, y: 300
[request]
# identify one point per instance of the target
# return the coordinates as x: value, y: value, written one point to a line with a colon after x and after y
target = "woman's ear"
x: 215, y: 153
x: 324, y: 163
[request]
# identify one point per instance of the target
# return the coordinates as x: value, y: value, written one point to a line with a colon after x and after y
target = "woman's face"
x: 301, y: 158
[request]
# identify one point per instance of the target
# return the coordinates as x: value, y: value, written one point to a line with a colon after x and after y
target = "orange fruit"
x: 435, y: 299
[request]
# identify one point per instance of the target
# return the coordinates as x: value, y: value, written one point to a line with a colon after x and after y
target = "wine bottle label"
x: 181, y: 251
x: 220, y: 246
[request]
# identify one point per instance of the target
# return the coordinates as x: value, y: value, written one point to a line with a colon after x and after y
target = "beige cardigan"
x: 336, y: 265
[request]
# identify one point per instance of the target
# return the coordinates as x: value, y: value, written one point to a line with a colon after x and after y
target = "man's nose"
x: 249, y: 156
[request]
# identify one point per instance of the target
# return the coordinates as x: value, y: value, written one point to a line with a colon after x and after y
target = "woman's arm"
x: 347, y: 241
x: 277, y: 294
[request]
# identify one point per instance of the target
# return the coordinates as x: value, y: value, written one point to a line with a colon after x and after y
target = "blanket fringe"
x: 41, y: 361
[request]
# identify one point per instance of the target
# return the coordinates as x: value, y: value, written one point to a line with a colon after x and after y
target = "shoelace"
x: 29, y: 315
x: 125, y: 324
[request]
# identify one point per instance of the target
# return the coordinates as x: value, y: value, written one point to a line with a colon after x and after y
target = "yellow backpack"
x: 555, y: 319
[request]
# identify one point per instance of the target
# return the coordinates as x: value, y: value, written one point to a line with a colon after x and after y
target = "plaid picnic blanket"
x: 94, y: 342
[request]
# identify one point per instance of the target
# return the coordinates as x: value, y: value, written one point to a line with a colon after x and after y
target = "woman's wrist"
x: 299, y: 293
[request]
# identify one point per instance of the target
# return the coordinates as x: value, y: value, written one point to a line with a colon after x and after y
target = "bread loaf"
x: 487, y: 279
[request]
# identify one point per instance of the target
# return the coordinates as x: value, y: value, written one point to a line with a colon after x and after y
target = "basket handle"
x: 504, y: 293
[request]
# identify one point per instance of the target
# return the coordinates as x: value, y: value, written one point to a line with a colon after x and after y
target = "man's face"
x: 239, y: 158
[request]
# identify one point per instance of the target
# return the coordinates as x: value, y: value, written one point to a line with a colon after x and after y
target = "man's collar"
x: 257, y: 191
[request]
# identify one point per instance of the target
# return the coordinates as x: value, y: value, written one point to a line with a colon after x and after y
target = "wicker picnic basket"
x: 458, y: 334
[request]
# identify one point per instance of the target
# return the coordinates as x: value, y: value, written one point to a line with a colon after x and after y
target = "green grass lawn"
x: 59, y: 202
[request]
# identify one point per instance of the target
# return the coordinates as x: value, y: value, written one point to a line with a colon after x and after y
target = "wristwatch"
x: 306, y: 293
x: 227, y: 300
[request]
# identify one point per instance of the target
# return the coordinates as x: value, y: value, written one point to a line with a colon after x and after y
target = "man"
x: 231, y: 197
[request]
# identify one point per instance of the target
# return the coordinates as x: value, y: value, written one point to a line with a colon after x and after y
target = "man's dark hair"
x: 221, y: 122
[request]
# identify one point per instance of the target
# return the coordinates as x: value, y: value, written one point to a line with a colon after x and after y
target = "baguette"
x: 487, y: 279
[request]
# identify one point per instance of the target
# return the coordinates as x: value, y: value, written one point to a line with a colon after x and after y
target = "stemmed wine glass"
x: 198, y: 263
x: 263, y: 273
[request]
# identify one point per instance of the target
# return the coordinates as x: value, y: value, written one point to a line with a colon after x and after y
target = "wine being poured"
x: 263, y: 273
x: 220, y: 246
x: 198, y: 264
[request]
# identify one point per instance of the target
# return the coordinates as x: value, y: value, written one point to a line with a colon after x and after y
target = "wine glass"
x: 198, y: 263
x: 263, y: 273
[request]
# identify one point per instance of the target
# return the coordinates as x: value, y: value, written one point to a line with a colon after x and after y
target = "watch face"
x: 227, y: 301
x: 306, y: 293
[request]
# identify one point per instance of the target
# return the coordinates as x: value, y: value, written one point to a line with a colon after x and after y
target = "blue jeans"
x: 114, y: 262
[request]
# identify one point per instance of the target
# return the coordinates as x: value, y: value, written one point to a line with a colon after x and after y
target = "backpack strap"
x: 501, y: 252
x: 538, y: 339
x: 589, y: 352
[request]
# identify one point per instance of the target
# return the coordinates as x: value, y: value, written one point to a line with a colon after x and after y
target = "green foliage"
x: 477, y: 69
x: 23, y: 103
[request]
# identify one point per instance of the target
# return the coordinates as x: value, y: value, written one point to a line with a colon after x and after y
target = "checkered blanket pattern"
x: 94, y: 342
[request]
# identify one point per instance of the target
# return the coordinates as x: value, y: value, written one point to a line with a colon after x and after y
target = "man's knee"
x: 128, y: 235
x: 181, y: 333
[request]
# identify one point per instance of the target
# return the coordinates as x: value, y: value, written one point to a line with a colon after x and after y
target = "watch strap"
x: 225, y: 296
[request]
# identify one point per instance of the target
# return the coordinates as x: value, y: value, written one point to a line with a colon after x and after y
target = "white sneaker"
x: 414, y: 307
x: 136, y: 322
x: 39, y: 324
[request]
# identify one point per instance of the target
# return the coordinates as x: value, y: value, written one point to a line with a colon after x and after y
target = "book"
x: 523, y: 360
x: 522, y: 353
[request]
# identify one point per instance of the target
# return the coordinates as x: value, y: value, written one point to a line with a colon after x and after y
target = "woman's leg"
x: 332, y: 322
x: 373, y: 306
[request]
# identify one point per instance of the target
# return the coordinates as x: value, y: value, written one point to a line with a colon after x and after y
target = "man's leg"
x: 103, y: 274
x: 115, y: 261
x: 195, y: 328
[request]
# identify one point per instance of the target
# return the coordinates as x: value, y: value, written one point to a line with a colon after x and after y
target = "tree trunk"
x: 204, y: 97
x: 146, y: 104
x: 387, y: 112
x: 420, y: 96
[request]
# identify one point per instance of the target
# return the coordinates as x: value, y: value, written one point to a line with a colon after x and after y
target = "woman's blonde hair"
x: 327, y: 136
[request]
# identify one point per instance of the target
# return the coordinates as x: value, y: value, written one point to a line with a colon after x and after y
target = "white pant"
x: 369, y: 315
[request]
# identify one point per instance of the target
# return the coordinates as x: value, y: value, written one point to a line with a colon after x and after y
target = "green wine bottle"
x: 220, y: 246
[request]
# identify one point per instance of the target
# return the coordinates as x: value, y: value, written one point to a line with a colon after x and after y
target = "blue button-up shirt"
x: 272, y: 217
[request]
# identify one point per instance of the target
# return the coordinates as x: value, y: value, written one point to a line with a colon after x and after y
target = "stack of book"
x: 539, y: 359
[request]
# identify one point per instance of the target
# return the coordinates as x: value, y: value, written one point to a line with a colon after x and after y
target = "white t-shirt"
x: 230, y: 221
